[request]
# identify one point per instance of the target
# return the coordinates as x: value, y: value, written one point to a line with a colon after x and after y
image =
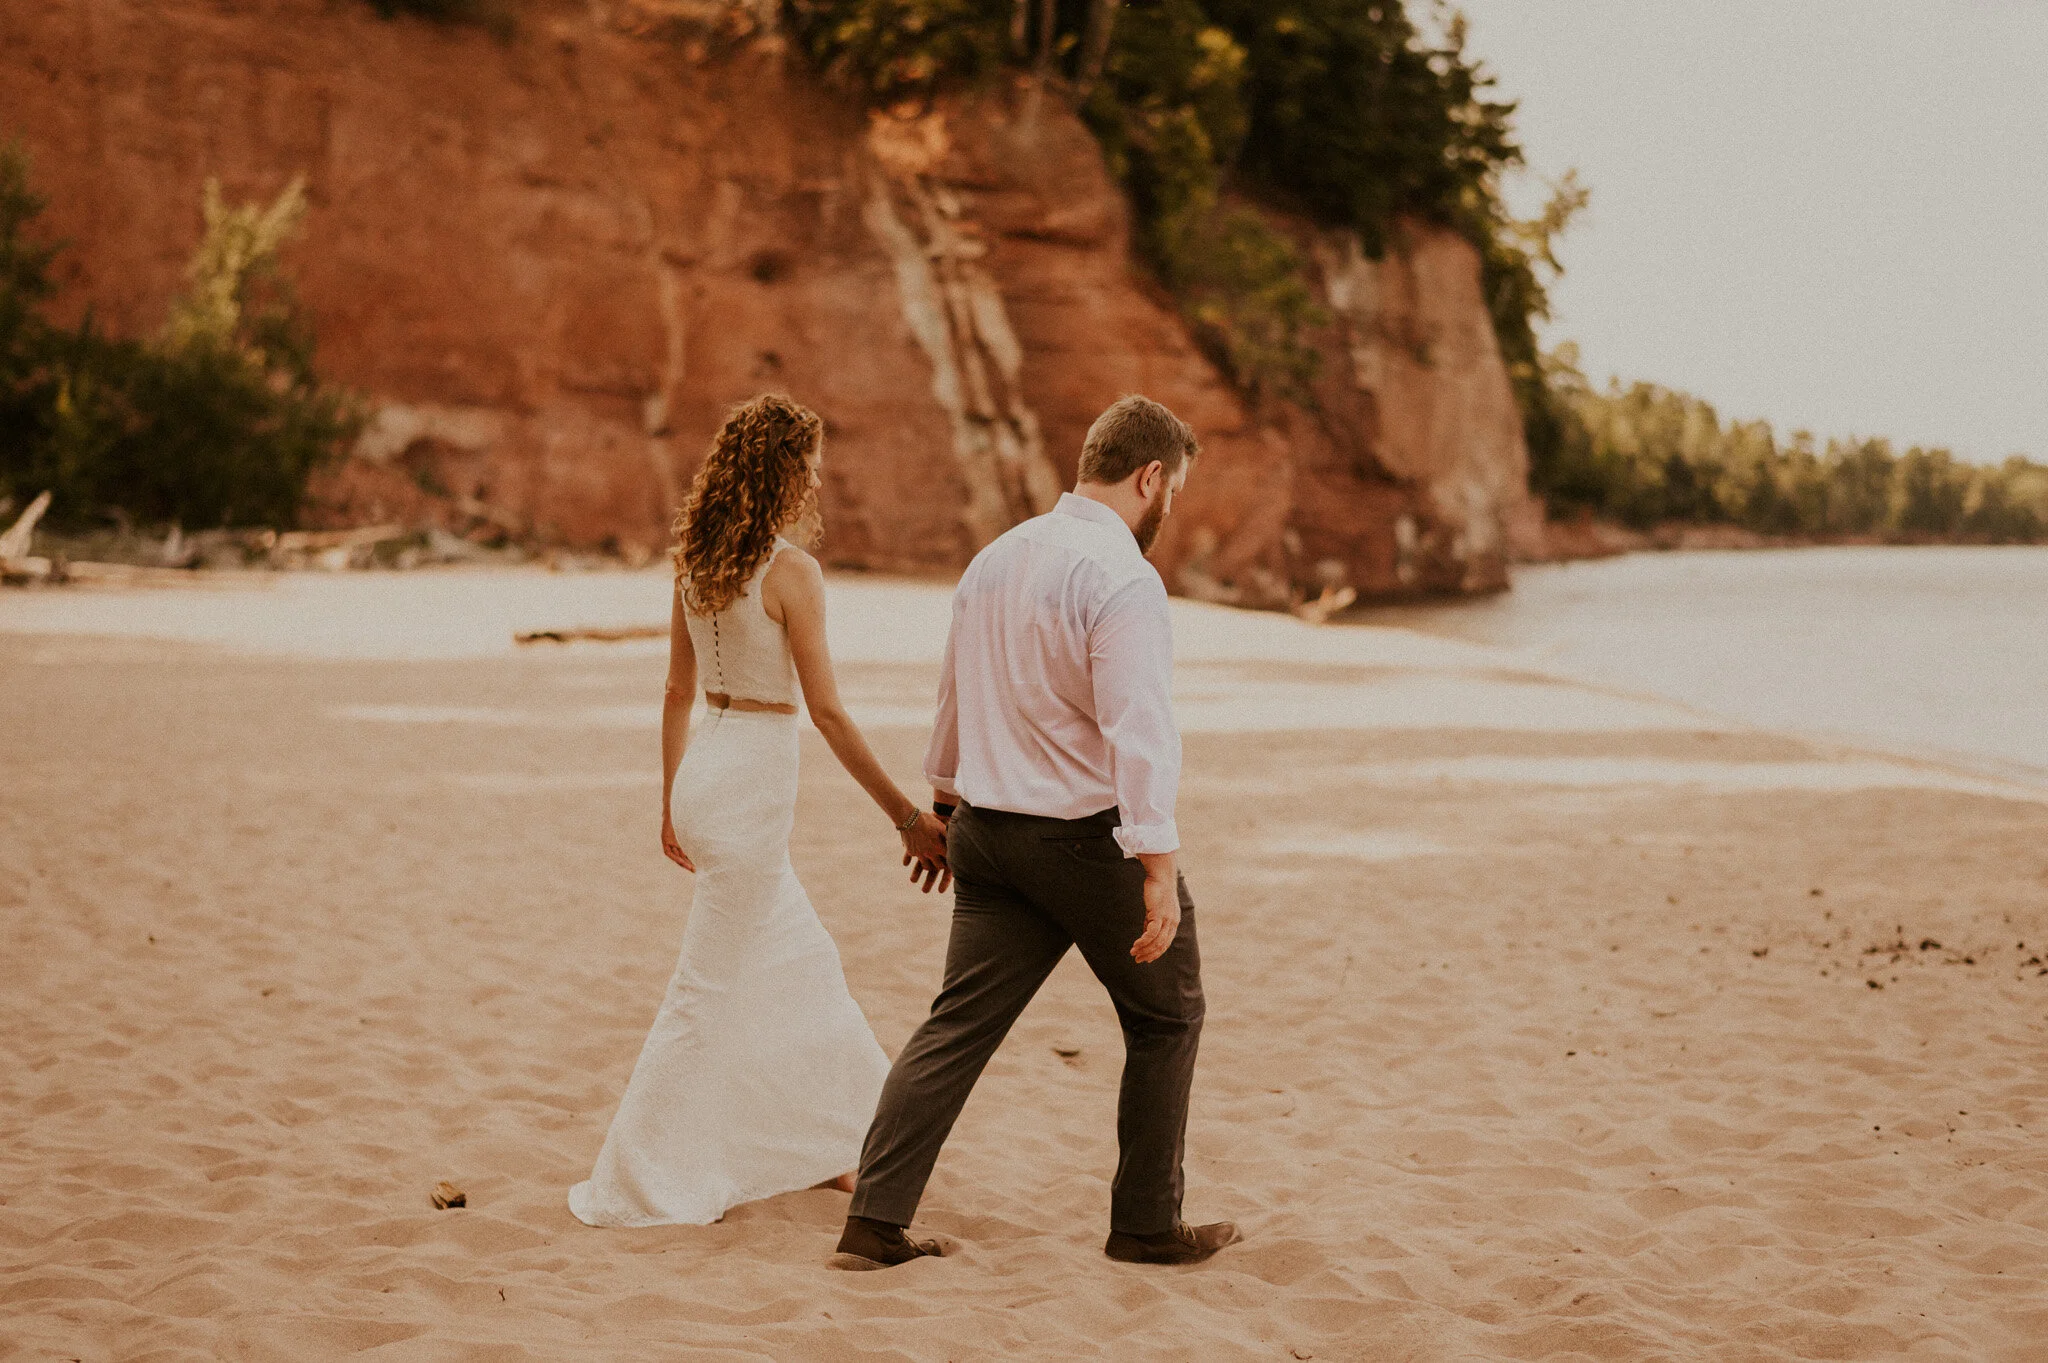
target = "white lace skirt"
x: 760, y: 1074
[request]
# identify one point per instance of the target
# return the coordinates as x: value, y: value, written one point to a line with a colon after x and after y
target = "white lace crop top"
x: 741, y: 653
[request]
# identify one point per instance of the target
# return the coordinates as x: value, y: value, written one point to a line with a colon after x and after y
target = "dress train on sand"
x: 760, y: 1073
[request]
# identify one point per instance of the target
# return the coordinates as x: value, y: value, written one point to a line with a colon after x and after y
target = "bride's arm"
x: 677, y: 700
x: 796, y: 586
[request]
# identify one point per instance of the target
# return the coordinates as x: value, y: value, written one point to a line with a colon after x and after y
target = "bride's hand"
x: 669, y: 845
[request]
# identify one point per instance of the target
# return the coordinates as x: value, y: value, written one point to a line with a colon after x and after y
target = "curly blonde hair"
x: 755, y: 481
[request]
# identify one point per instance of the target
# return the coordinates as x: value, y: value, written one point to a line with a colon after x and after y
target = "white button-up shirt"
x: 1055, y: 698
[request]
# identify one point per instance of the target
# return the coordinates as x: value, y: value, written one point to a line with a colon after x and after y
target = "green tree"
x: 1359, y: 119
x: 1997, y: 517
x: 1860, y: 477
x: 1931, y: 493
x: 889, y: 50
x: 1169, y: 112
x: 219, y: 420
x: 25, y: 398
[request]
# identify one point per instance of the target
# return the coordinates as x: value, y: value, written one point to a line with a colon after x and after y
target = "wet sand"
x: 1545, y: 1022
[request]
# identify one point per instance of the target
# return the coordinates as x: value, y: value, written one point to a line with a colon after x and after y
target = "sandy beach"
x: 1545, y: 1021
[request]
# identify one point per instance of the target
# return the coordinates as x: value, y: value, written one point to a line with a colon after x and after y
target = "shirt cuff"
x: 1148, y: 837
x: 943, y: 784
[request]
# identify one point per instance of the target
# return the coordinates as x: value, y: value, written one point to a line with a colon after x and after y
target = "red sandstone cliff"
x: 550, y: 264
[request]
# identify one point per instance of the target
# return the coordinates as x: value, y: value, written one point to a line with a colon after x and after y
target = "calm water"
x: 1933, y: 651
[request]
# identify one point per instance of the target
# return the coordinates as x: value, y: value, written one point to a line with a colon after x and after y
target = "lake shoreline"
x: 1573, y: 540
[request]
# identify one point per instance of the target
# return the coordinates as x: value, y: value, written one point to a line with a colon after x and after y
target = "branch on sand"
x: 16, y: 563
x: 592, y: 634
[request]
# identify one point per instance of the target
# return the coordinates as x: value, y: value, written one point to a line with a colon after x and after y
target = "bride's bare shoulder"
x: 793, y: 562
x: 794, y: 576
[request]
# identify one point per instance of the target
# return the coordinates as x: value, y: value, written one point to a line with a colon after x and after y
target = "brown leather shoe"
x: 1184, y: 1244
x: 867, y: 1244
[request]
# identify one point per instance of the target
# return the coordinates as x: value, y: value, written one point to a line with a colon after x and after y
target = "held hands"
x: 1162, y: 911
x: 924, y: 851
x: 669, y: 845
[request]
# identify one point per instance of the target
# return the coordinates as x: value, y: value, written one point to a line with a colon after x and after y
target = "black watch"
x: 942, y: 809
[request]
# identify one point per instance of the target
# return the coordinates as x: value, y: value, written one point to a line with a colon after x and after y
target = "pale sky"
x: 1832, y: 214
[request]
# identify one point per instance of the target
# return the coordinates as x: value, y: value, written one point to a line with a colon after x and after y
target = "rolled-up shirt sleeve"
x: 942, y: 758
x: 1130, y: 650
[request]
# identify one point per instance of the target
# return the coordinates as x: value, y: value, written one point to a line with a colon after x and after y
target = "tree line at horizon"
x: 1646, y: 455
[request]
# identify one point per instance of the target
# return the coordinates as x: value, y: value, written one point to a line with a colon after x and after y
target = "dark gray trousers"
x: 1026, y: 888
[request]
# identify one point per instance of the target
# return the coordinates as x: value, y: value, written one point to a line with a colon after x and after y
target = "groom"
x: 1056, y: 756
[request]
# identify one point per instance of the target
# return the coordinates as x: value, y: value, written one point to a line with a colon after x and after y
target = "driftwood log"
x: 313, y: 541
x: 591, y: 634
x: 134, y: 575
x: 16, y: 563
x: 331, y: 549
x: 19, y: 567
x: 15, y: 543
x: 1333, y: 600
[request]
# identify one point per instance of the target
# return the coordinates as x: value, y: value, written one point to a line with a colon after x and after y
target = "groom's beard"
x: 1147, y: 528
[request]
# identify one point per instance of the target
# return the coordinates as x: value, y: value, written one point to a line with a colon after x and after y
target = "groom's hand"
x: 1162, y: 908
x: 928, y: 875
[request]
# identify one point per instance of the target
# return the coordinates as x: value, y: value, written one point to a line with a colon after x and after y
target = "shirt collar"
x: 1086, y: 509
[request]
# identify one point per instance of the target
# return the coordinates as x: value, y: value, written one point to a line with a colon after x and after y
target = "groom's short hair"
x: 1131, y: 434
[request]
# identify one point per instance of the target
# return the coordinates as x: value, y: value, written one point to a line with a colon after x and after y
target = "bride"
x: 760, y: 1074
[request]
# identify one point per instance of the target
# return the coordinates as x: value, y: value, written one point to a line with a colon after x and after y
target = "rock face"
x: 551, y: 263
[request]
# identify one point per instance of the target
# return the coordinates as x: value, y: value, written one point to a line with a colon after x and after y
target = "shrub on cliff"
x: 897, y: 49
x: 47, y: 426
x: 26, y: 393
x: 219, y: 420
x: 1337, y: 109
x: 1168, y: 107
